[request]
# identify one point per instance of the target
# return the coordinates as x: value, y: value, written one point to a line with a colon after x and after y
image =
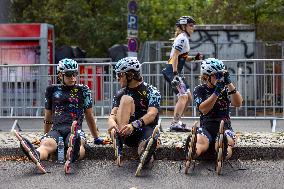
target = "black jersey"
x: 144, y: 96
x: 67, y: 103
x: 220, y: 110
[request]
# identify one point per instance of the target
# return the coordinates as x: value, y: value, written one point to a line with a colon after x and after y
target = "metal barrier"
x: 260, y: 82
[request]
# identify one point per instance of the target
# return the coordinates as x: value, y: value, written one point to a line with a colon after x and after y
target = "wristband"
x: 138, y: 123
x: 47, y: 122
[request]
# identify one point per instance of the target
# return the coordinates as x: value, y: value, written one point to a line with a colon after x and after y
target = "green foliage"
x: 96, y: 25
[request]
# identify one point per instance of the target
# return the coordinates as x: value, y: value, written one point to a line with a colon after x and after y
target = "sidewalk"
x: 250, y: 145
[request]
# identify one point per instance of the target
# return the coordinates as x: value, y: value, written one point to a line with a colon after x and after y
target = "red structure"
x: 26, y: 43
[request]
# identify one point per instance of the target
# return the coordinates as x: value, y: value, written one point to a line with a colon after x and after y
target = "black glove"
x: 176, y: 80
x: 198, y: 56
x: 227, y: 79
x: 219, y: 76
x: 219, y: 87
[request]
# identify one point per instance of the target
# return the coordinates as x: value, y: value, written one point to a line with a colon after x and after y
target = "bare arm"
x: 208, y: 104
x: 112, y: 119
x: 236, y: 98
x: 150, y: 116
x: 174, y: 60
x: 91, y: 122
x: 48, y: 121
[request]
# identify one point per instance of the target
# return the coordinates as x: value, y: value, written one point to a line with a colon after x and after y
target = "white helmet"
x: 183, y: 20
x: 66, y: 64
x: 126, y: 64
x: 211, y: 66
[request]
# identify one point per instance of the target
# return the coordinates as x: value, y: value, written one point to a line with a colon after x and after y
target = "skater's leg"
x: 125, y: 110
x: 202, y: 144
x: 47, y: 147
x: 180, y: 108
x: 48, y: 144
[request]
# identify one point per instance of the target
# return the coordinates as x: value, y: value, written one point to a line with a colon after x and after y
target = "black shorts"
x: 211, y: 129
x: 138, y: 135
x: 55, y: 134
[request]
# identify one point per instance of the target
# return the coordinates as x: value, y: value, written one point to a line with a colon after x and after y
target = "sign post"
x: 132, y: 28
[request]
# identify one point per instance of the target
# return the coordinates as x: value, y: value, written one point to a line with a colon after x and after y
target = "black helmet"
x: 185, y: 20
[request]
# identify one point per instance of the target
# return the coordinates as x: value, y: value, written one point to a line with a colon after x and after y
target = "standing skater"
x: 172, y: 73
x: 134, y: 116
x: 65, y: 107
x: 213, y: 100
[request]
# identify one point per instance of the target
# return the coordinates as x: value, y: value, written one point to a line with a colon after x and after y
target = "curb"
x: 266, y: 146
x: 169, y: 153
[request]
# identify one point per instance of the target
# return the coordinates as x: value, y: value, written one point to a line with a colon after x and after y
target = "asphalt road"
x: 165, y: 174
x: 36, y: 124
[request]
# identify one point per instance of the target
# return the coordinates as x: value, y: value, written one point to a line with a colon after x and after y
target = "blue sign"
x: 132, y: 22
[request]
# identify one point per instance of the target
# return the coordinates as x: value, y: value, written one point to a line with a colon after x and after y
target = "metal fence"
x: 260, y: 82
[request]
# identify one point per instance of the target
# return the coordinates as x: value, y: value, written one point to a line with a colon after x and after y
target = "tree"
x: 96, y: 25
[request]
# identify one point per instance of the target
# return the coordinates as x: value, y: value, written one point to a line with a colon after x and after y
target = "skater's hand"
x: 198, y: 56
x: 102, y: 141
x: 219, y: 87
x: 227, y: 79
x: 111, y: 128
x: 126, y: 130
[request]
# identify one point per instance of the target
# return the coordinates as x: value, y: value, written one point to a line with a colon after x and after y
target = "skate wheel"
x: 67, y: 167
x: 138, y: 171
x: 187, y: 165
x: 220, y: 141
x: 220, y: 155
x: 118, y: 161
x: 221, y: 129
x: 149, y: 144
x: 219, y: 168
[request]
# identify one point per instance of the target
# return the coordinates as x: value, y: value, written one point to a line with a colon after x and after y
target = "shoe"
x: 190, y: 149
x: 30, y: 152
x: 179, y: 127
x: 117, y: 145
x: 73, y: 151
x: 147, y: 155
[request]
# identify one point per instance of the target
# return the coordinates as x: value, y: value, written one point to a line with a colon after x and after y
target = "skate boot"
x: 148, y: 153
x: 179, y: 127
x: 30, y: 151
x: 190, y: 148
x: 73, y: 151
x: 117, y: 143
x: 221, y: 148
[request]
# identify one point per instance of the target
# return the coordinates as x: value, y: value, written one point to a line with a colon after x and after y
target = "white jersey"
x: 181, y: 43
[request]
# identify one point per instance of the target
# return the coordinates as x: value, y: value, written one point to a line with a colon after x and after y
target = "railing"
x: 260, y: 82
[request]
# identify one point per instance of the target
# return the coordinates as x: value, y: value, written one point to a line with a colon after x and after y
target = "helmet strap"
x: 209, y: 80
x: 184, y: 30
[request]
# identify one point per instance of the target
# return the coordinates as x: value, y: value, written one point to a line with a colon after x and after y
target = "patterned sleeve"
x: 179, y: 43
x: 199, y: 95
x: 48, y: 97
x: 154, y: 97
x: 117, y: 97
x: 88, y: 100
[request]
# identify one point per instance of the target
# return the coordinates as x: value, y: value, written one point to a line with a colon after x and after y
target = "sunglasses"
x: 191, y: 24
x: 119, y: 75
x: 71, y: 73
